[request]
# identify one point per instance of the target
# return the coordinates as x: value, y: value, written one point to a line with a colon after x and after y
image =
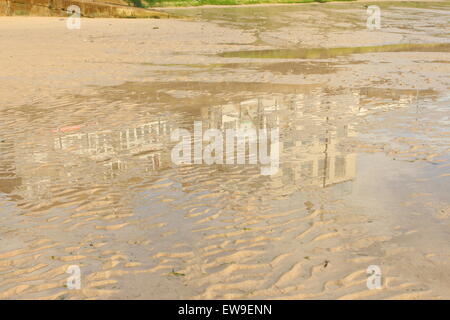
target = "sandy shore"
x: 85, y: 178
x: 284, y: 4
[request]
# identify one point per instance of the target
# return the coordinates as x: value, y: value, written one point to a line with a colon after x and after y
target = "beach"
x: 87, y: 176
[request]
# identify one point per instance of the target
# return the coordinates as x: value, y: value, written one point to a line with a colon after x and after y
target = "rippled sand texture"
x: 86, y: 176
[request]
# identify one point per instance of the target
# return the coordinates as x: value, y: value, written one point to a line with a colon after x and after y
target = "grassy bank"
x: 91, y: 9
x: 188, y: 3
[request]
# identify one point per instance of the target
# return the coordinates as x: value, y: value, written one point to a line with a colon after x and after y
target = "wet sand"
x: 86, y: 176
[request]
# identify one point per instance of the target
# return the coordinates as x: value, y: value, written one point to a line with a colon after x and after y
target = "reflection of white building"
x: 254, y: 113
x: 313, y: 154
x: 8, y: 173
x: 144, y: 142
x: 310, y: 136
x: 137, y: 139
x: 324, y: 168
x: 313, y: 126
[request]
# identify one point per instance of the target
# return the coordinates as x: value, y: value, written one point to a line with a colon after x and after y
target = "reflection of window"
x: 324, y: 170
x: 288, y: 175
x: 339, y: 167
x: 139, y: 133
x: 272, y: 120
x: 131, y: 134
x: 84, y: 143
x: 93, y: 141
x: 230, y: 125
x: 288, y: 144
x: 307, y: 169
x: 115, y: 166
x: 342, y: 131
x: 123, y: 140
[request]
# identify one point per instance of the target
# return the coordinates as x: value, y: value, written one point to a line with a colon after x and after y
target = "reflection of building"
x: 144, y: 142
x: 314, y: 127
x: 8, y: 175
x: 309, y: 151
x: 253, y: 113
x: 149, y: 136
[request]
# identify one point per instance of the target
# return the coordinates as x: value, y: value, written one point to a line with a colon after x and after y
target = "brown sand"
x: 86, y: 176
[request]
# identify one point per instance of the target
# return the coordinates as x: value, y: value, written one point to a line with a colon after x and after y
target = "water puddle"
x: 88, y: 177
x: 97, y: 176
x: 327, y: 53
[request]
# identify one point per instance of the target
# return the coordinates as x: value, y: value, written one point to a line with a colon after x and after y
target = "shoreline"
x: 88, y: 177
x: 267, y: 4
x: 109, y: 10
